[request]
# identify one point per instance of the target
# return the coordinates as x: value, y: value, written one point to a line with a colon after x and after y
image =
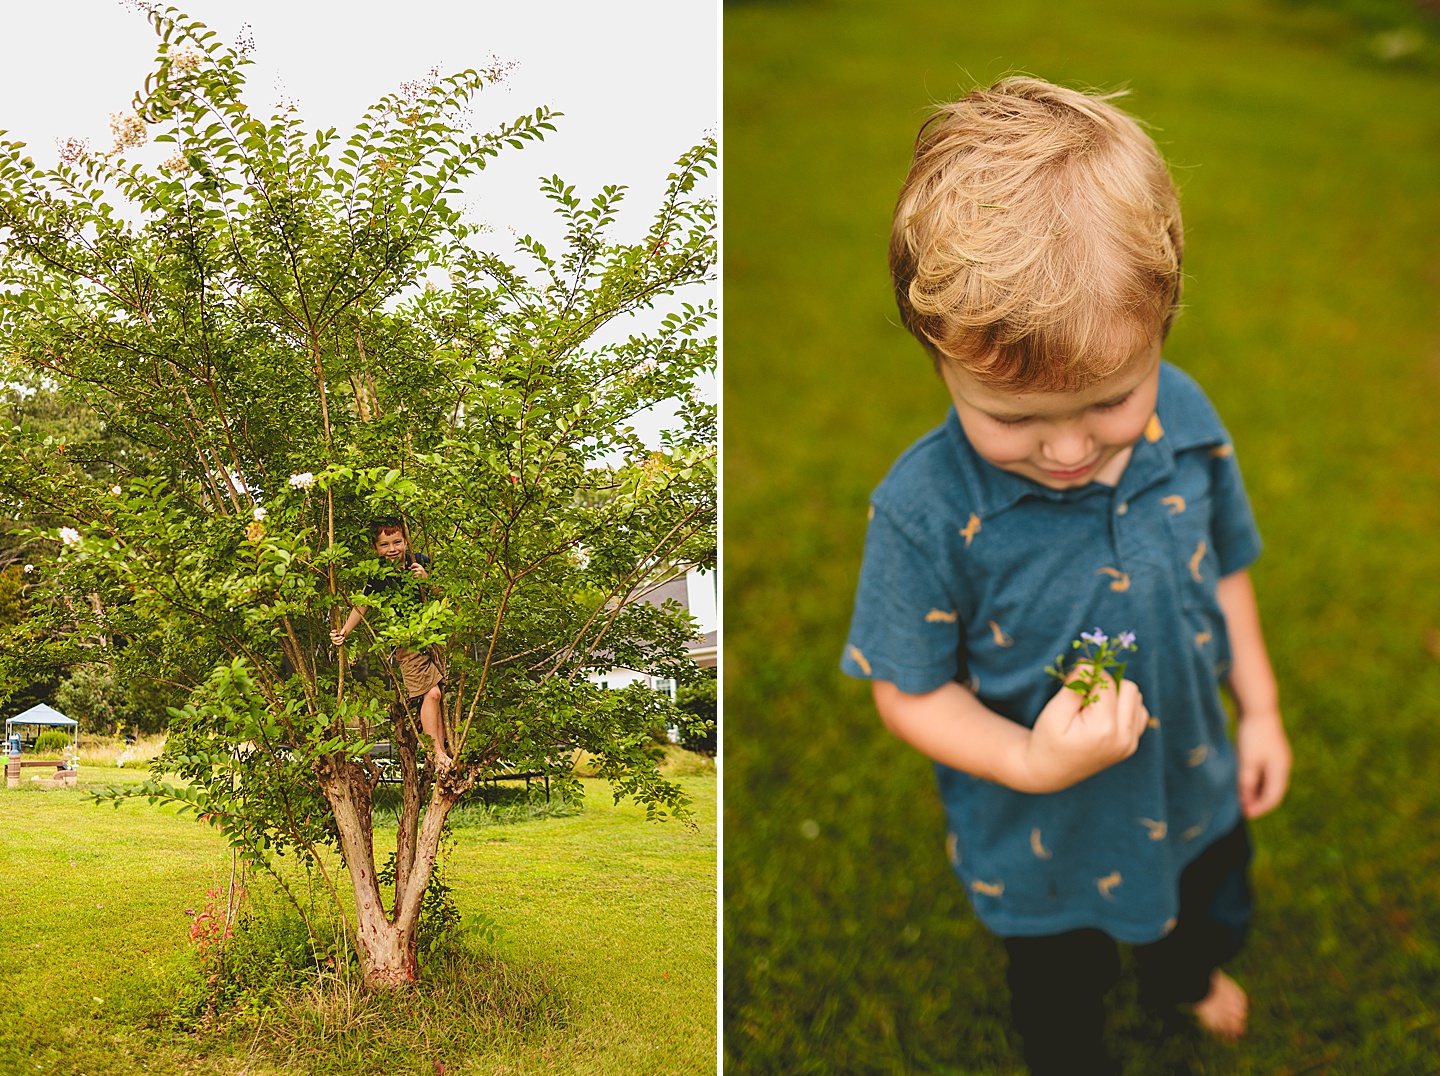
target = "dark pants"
x: 1058, y: 982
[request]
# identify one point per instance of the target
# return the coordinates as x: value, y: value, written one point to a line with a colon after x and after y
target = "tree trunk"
x: 443, y: 794
x: 386, y: 950
x: 411, y: 792
x: 386, y: 946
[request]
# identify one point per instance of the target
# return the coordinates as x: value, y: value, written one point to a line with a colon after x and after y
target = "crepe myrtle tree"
x: 303, y: 335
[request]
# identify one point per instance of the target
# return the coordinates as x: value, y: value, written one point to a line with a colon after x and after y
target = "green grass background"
x: 605, y: 963
x: 1310, y: 181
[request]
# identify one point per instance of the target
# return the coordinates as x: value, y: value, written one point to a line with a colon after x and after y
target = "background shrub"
x: 698, y: 699
x: 91, y: 695
x: 52, y: 743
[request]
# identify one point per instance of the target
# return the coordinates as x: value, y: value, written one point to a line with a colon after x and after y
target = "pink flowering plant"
x: 1098, y: 660
x: 212, y: 924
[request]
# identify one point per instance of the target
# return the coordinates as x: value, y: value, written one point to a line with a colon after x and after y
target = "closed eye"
x: 1110, y: 405
x: 1011, y: 420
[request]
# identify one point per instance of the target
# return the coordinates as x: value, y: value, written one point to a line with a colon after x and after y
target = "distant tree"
x: 44, y: 409
x: 22, y: 683
x: 12, y: 600
x: 304, y: 334
x: 93, y: 696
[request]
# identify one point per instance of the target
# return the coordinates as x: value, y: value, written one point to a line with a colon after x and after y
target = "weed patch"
x: 333, y: 1025
x: 243, y: 970
x: 285, y: 987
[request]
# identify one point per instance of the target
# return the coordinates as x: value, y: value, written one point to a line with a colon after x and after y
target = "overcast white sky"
x: 636, y: 79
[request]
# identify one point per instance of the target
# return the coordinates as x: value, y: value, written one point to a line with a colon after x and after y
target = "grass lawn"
x: 1310, y: 181
x: 605, y: 962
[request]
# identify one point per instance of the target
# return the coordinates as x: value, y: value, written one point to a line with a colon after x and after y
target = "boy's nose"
x: 1066, y: 447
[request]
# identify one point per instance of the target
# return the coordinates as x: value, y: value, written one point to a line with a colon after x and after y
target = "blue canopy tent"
x: 37, y: 717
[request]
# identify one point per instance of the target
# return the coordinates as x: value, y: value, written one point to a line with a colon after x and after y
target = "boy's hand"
x: 1070, y: 743
x: 1264, y: 756
x: 337, y: 637
x: 418, y: 571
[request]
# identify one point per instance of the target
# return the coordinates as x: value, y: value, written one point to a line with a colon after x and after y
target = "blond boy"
x: 1079, y: 484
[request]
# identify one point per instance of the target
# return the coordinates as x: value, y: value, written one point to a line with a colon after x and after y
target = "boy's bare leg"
x: 433, y: 726
x: 1223, y: 1011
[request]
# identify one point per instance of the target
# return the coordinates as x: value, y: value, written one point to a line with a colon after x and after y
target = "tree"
x: 300, y: 335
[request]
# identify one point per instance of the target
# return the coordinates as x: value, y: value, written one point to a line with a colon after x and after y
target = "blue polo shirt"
x: 975, y: 574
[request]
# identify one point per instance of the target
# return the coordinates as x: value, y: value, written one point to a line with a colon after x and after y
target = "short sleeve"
x: 1237, y: 541
x: 907, y: 623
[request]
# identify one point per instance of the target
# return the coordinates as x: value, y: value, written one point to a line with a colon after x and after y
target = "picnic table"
x: 14, y: 764
x: 386, y: 761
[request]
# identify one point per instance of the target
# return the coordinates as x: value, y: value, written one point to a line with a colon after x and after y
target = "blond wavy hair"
x: 1037, y: 239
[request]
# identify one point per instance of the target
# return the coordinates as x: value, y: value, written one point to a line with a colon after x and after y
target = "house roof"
x: 671, y: 590
x: 701, y: 649
x: 676, y: 590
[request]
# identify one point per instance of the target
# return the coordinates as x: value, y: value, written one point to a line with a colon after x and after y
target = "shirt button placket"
x: 1122, y: 508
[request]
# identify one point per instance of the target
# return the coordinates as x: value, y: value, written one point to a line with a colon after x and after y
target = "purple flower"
x: 1097, y: 637
x: 1126, y: 639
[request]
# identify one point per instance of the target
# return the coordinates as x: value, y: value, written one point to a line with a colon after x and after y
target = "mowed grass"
x: 605, y: 962
x: 1310, y: 181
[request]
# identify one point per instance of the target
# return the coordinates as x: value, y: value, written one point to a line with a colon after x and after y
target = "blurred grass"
x: 1310, y: 180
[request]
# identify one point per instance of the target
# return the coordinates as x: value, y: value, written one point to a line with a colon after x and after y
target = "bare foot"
x: 1223, y: 1011
x: 444, y: 762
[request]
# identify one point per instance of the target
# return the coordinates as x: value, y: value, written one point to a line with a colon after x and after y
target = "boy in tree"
x: 421, y: 671
x: 1077, y: 481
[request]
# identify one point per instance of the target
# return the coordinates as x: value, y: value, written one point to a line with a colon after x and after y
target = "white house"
x: 695, y: 591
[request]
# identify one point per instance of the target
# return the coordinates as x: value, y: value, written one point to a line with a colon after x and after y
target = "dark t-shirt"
x: 399, y: 579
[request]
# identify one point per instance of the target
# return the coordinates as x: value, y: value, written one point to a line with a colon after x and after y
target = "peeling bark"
x: 443, y: 795
x: 387, y: 944
x: 411, y: 794
x: 386, y: 950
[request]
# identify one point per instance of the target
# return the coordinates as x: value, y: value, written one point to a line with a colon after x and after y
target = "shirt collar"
x: 1178, y: 424
x: 992, y: 490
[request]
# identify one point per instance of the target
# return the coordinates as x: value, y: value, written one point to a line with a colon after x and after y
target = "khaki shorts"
x: 422, y: 670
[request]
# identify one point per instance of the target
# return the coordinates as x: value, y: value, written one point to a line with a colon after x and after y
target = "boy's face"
x: 1060, y: 439
x: 390, y: 544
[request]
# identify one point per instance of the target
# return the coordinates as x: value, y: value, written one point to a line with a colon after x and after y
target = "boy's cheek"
x: 994, y: 445
x: 1004, y: 449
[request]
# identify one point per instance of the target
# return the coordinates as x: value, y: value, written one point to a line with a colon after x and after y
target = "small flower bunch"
x: 641, y: 369
x: 129, y: 131
x: 1101, y: 654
